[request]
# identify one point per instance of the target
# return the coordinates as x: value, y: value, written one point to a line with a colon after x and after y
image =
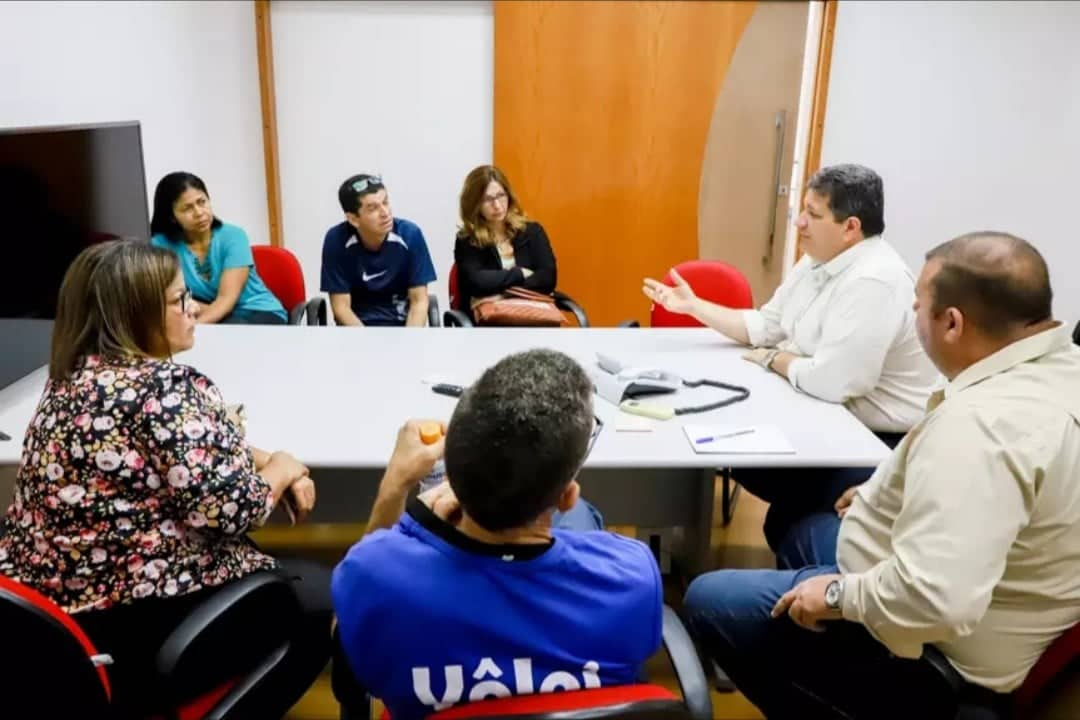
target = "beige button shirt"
x: 851, y: 320
x: 968, y: 536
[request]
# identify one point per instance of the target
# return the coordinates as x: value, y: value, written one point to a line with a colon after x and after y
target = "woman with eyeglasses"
x: 498, y: 246
x: 216, y: 257
x: 137, y: 488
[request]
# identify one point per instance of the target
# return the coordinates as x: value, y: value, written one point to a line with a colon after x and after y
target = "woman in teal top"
x: 216, y: 258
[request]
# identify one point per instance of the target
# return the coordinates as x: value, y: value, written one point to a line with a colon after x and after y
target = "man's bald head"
x: 998, y: 281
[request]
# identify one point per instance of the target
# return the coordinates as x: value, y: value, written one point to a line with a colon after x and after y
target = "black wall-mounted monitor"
x: 61, y: 189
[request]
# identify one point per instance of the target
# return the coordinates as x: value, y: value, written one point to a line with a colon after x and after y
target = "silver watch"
x: 834, y: 594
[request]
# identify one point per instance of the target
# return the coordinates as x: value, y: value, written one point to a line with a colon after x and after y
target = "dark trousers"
x: 794, y: 493
x: 133, y: 633
x: 790, y: 672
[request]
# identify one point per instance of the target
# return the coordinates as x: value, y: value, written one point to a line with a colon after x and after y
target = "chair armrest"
x: 316, y: 311
x: 232, y: 631
x: 296, y: 315
x: 565, y: 302
x: 687, y: 664
x: 456, y: 318
x: 433, y: 311
x: 354, y: 700
x: 629, y: 324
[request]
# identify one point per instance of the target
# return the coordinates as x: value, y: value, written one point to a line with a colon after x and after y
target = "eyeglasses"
x: 499, y: 198
x: 184, y: 300
x: 369, y: 182
x: 598, y: 425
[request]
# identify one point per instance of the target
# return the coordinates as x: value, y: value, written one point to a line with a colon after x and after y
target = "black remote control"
x: 450, y: 390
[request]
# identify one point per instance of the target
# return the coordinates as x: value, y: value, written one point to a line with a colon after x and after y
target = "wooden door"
x: 603, y: 120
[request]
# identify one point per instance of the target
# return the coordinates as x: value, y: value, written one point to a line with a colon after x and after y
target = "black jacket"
x: 480, y: 272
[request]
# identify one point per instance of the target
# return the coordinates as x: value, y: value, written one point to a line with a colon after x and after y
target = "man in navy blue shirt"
x: 375, y: 267
x: 469, y: 592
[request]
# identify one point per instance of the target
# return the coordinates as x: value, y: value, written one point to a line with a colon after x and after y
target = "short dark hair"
x: 351, y: 198
x: 518, y: 437
x: 853, y: 190
x: 168, y: 191
x: 1000, y: 282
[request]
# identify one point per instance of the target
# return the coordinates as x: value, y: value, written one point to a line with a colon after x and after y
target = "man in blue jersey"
x: 375, y: 267
x: 468, y: 592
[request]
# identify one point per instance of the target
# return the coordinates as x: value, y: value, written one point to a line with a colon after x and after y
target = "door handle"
x: 775, y: 190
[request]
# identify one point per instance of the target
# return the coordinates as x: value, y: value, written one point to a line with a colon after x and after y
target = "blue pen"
x: 713, y: 438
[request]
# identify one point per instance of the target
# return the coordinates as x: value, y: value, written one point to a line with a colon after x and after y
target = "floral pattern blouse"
x: 134, y: 483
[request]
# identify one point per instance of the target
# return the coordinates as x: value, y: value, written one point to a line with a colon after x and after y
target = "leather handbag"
x: 518, y: 306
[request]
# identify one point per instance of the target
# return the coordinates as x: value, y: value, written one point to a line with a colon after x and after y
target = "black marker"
x: 449, y: 390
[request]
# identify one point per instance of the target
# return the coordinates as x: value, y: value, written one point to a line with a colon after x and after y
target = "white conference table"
x: 335, y: 397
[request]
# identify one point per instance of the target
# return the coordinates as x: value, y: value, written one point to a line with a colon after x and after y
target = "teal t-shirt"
x: 229, y: 248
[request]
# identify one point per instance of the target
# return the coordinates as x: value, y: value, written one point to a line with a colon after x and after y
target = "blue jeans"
x: 790, y: 672
x: 795, y: 493
x: 582, y: 517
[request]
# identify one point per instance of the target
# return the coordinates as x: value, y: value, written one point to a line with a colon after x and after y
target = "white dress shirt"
x: 968, y: 536
x: 851, y: 321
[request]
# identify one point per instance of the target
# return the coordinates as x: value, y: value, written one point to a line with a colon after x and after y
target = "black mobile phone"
x: 449, y: 390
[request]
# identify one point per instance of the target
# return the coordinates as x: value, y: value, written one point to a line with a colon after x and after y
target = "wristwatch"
x: 770, y: 359
x: 834, y: 594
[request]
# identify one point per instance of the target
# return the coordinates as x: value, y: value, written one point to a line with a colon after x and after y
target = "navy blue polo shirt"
x: 378, y: 282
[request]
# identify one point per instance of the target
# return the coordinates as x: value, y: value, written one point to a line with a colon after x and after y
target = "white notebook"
x: 737, y: 440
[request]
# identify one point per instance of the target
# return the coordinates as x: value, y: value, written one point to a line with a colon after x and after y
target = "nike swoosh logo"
x: 367, y: 277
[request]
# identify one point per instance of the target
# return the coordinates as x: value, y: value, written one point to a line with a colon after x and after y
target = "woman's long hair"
x: 112, y: 302
x: 473, y: 224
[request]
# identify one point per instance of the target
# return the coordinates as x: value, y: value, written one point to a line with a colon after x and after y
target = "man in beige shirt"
x: 964, y: 544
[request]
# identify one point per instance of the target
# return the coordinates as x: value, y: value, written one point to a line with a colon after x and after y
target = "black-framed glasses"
x: 369, y: 182
x: 184, y: 300
x: 598, y: 425
x: 496, y: 198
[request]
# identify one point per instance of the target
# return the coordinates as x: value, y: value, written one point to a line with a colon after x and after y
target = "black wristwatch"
x: 834, y: 594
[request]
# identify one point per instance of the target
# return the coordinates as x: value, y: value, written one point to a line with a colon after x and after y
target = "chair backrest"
x: 1053, y: 663
x: 44, y: 646
x: 455, y: 301
x: 711, y: 280
x: 281, y: 272
x: 641, y: 702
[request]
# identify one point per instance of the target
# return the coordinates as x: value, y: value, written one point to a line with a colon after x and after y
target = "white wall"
x: 187, y: 71
x: 970, y: 111
x: 400, y: 89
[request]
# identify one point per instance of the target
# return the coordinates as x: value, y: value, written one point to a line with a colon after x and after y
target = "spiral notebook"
x: 738, y: 440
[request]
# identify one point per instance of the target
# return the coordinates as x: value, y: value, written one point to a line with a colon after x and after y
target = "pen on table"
x: 713, y: 438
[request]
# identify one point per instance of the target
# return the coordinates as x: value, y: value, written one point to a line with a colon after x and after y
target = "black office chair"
x: 457, y: 317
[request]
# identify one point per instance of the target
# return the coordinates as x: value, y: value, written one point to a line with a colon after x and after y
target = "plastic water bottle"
x: 429, y: 435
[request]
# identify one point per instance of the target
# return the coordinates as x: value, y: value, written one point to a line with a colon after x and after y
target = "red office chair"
x: 723, y: 284
x: 50, y: 668
x: 1050, y: 690
x: 281, y: 272
x: 711, y: 280
x: 639, y: 702
x: 456, y: 316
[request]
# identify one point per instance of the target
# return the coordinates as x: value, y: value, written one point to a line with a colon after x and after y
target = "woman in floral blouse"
x: 136, y: 488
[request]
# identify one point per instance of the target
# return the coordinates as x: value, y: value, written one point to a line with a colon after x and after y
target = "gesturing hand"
x: 678, y: 299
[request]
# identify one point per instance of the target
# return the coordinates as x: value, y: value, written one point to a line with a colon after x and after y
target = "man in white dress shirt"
x: 840, y: 328
x: 959, y: 556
